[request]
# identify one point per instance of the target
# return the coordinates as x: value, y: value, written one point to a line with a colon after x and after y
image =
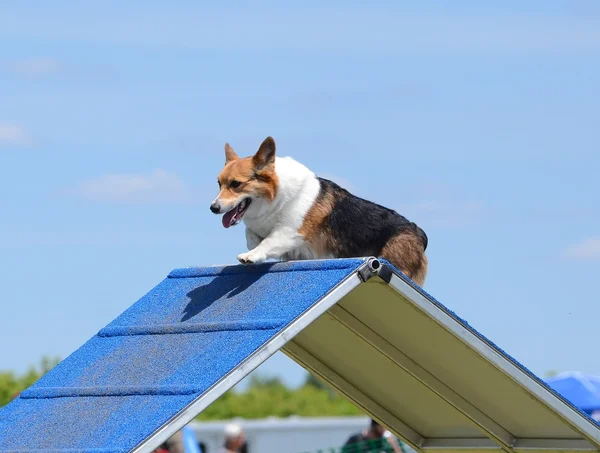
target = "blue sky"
x: 479, y: 122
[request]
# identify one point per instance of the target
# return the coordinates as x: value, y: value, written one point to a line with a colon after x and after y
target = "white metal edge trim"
x: 561, y: 409
x: 300, y: 355
x: 251, y: 363
x: 413, y: 369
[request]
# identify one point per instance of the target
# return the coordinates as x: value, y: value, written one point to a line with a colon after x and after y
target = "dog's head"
x: 245, y: 183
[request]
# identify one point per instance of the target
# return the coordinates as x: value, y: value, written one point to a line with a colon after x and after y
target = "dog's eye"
x: 235, y: 184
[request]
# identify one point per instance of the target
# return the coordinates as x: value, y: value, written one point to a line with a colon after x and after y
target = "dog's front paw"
x: 250, y: 258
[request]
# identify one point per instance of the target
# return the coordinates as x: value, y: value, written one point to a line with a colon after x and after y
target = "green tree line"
x: 11, y: 384
x: 266, y: 397
x: 263, y: 397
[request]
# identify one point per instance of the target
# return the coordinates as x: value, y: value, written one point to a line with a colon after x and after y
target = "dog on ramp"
x: 292, y: 214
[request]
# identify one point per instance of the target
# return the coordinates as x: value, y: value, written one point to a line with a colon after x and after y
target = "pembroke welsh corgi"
x: 292, y: 214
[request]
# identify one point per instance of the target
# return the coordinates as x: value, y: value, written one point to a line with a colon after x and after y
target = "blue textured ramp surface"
x: 166, y: 350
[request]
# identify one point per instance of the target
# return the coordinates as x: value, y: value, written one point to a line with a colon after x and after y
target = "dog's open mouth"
x: 234, y: 216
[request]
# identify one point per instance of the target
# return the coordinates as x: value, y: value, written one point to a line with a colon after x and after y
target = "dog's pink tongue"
x: 228, y: 218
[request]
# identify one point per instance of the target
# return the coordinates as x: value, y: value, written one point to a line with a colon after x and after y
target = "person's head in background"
x: 376, y: 431
x: 234, y: 437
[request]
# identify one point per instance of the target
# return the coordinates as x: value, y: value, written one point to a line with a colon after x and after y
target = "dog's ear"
x: 265, y: 155
x: 229, y: 154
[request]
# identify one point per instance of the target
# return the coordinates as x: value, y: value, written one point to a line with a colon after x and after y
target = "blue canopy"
x: 581, y: 389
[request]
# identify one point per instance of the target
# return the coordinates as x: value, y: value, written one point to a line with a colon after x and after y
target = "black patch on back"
x: 361, y: 227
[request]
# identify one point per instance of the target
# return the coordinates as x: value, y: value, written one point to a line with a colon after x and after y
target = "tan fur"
x: 230, y: 153
x: 311, y: 228
x: 405, y: 251
x: 254, y: 178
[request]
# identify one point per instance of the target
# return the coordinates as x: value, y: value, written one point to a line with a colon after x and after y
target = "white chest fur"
x: 276, y: 223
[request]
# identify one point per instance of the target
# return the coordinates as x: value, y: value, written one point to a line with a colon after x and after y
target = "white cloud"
x: 13, y: 134
x: 587, y: 249
x: 159, y: 186
x: 35, y: 67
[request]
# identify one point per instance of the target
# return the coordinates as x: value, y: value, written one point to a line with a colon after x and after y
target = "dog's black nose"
x: 215, y: 208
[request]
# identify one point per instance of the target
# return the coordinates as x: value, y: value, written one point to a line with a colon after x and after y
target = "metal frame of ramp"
x: 357, y: 323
